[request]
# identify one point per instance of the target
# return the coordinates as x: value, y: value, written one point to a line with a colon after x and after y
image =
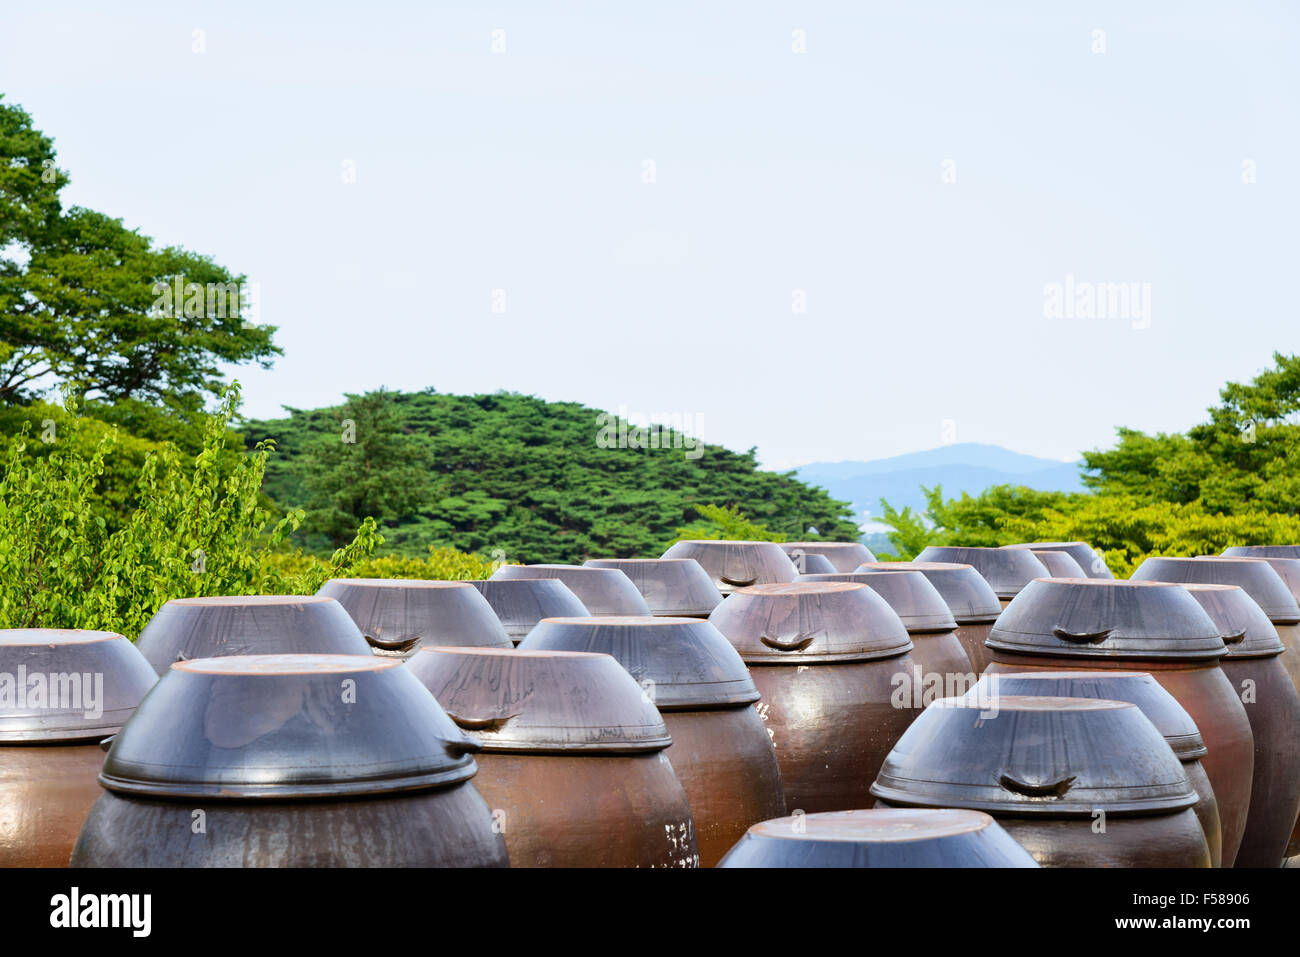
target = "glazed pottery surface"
x: 573, y: 756
x: 671, y: 586
x: 397, y: 615
x: 734, y: 565
x: 61, y: 693
x: 604, y: 591
x: 902, y: 837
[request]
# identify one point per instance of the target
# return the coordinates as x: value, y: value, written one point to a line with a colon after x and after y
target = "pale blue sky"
x: 774, y: 171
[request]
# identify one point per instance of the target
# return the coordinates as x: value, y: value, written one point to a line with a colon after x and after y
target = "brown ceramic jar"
x: 945, y: 668
x: 734, y: 565
x: 1139, y: 688
x: 972, y: 601
x: 289, y: 761
x: 1078, y: 782
x: 214, y: 627
x: 894, y: 837
x: 1096, y: 624
x: 1007, y: 570
x: 572, y: 760
x: 672, y: 587
x: 519, y: 605
x: 1253, y: 666
x: 397, y: 615
x: 61, y: 693
x: 605, y: 591
x: 721, y: 750
x: 1092, y: 564
x: 832, y: 662
x: 843, y: 556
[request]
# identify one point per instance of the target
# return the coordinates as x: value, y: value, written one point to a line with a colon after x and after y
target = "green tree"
x: 1127, y: 530
x: 373, y: 466
x: 725, y: 522
x: 517, y: 475
x: 972, y: 520
x: 911, y: 532
x: 199, y: 530
x: 87, y: 302
x: 1241, y: 460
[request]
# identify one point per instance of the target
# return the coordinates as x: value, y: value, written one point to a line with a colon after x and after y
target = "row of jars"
x: 909, y: 623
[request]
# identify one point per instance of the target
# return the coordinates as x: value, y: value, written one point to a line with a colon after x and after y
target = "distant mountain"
x: 966, y: 467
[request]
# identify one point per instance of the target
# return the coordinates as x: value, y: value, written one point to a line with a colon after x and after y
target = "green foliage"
x: 40, y: 427
x: 726, y: 522
x: 1127, y: 530
x: 911, y: 532
x: 1228, y: 481
x: 972, y: 520
x: 980, y: 520
x: 199, y: 529
x: 1240, y: 461
x: 87, y: 302
x: 516, y: 475
x: 441, y: 564
x: 29, y: 180
x: 370, y: 464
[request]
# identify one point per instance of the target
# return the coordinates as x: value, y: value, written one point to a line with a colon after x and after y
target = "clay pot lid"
x: 916, y: 602
x: 810, y: 623
x: 1091, y: 563
x: 844, y: 556
x: 879, y: 837
x: 874, y: 826
x: 969, y: 597
x: 559, y: 702
x: 736, y: 564
x: 396, y: 614
x: 681, y: 664
x: 1060, y: 757
x: 1060, y: 564
x: 811, y: 563
x: 1262, y: 551
x: 1243, y: 625
x: 1007, y: 570
x: 286, y: 727
x: 1257, y: 576
x: 61, y: 685
x: 1106, y: 618
x: 670, y: 586
x: 216, y: 626
x: 1287, y: 568
x: 521, y: 603
x: 604, y: 591
x: 1136, y: 687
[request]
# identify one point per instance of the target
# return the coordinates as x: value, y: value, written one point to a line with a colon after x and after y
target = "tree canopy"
x: 1231, y: 480
x: 517, y: 476
x: 87, y: 302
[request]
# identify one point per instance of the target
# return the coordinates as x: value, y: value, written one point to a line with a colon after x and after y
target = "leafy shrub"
x: 198, y: 527
x: 441, y: 564
x: 971, y: 520
x: 726, y: 522
x: 1127, y: 530
x: 1124, y: 528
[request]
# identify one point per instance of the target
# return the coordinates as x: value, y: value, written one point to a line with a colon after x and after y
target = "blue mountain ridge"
x: 958, y: 468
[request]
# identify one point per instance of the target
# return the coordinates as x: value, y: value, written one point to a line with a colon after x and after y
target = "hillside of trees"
x: 515, y: 477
